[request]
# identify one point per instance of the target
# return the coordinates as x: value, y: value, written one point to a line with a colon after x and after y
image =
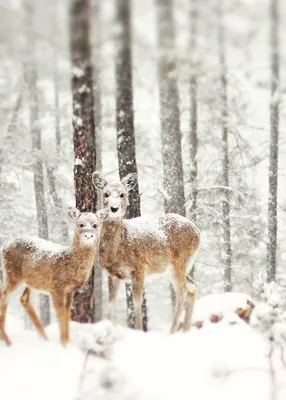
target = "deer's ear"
x: 98, y: 180
x: 73, y: 212
x: 129, y: 181
x: 102, y: 214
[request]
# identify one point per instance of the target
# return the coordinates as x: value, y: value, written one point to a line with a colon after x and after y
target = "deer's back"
x: 34, y: 261
x: 158, y: 242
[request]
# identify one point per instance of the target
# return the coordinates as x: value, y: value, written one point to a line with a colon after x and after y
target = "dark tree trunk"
x: 31, y: 81
x: 227, y: 254
x: 84, y: 136
x: 194, y: 109
x: 125, y: 127
x: 169, y: 109
x: 98, y: 139
x: 274, y: 140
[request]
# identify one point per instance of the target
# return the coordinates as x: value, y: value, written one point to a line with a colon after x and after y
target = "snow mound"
x: 224, y: 307
x: 218, y: 362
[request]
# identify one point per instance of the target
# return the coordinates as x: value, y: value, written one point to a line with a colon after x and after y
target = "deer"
x: 134, y: 249
x: 49, y: 267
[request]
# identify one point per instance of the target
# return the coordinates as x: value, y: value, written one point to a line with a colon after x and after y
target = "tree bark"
x: 98, y: 141
x: 31, y: 81
x: 226, y: 252
x: 50, y: 171
x: 174, y: 199
x: 125, y: 128
x: 84, y: 136
x: 194, y: 109
x: 169, y: 110
x: 274, y: 142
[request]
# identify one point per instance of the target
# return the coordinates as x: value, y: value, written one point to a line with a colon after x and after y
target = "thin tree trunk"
x: 194, y: 109
x: 57, y: 102
x: 274, y: 141
x: 125, y: 128
x: 169, y: 109
x: 12, y: 124
x: 50, y: 171
x: 84, y: 136
x: 193, y: 113
x: 170, y: 114
x: 57, y: 203
x: 31, y: 80
x: 98, y: 140
x: 227, y: 253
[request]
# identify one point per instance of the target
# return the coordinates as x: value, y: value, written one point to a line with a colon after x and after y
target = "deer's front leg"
x: 113, y: 286
x: 138, y: 288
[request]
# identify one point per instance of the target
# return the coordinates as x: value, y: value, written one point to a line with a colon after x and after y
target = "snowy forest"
x: 189, y: 95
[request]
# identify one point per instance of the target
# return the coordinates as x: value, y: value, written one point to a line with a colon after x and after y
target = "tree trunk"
x: 193, y: 113
x: 31, y: 81
x: 11, y: 125
x: 125, y: 128
x: 83, y: 135
x: 57, y: 103
x: 225, y: 148
x: 170, y: 114
x: 194, y: 109
x: 50, y: 171
x: 274, y: 140
x: 169, y: 109
x: 57, y: 204
x: 98, y: 140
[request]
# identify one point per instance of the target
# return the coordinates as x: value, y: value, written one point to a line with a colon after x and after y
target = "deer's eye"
x: 122, y: 195
x: 95, y: 226
x: 106, y: 195
x: 81, y: 225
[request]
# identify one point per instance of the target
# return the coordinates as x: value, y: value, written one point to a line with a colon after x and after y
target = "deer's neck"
x: 83, y: 256
x: 111, y: 239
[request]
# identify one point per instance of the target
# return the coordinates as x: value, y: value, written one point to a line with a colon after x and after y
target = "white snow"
x: 220, y: 362
x: 222, y: 304
x: 145, y: 227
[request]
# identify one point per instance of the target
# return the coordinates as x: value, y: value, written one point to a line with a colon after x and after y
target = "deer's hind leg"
x: 178, y: 281
x: 26, y: 302
x: 4, y: 300
x: 190, y: 303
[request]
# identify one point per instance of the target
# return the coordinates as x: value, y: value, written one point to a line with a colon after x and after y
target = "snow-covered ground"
x: 219, y: 361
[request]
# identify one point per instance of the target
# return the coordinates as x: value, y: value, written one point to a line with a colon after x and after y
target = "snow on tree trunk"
x: 83, y: 135
x: 125, y: 128
x: 33, y: 99
x: 169, y: 110
x: 274, y: 140
x: 169, y: 113
x: 226, y: 251
x: 98, y: 142
x: 194, y: 109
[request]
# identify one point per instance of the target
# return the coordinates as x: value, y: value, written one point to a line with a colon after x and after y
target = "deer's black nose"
x: 114, y: 209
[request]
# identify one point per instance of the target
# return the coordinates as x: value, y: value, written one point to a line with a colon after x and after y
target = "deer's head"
x: 114, y: 193
x: 87, y: 227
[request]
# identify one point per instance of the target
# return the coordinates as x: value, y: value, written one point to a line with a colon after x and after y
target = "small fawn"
x: 135, y: 248
x: 49, y: 267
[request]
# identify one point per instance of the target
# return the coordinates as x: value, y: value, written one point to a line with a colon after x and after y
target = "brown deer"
x: 135, y: 248
x: 49, y: 267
